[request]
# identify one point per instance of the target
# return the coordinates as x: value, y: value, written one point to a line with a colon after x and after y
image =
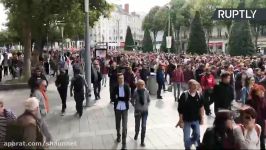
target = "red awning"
x: 211, y: 44
x: 219, y: 44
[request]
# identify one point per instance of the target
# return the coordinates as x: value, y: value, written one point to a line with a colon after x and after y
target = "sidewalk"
x: 96, y: 128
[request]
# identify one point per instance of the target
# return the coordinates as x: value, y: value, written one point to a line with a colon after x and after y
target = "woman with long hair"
x: 220, y: 136
x: 258, y: 102
x: 249, y: 82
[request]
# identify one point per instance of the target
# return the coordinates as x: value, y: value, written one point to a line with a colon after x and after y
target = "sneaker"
x: 118, y: 140
x: 124, y: 147
x: 63, y: 113
x: 135, y: 137
x: 159, y: 97
x: 142, y: 144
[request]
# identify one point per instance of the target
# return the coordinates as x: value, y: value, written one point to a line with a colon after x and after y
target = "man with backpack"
x: 191, y: 113
x: 78, y: 83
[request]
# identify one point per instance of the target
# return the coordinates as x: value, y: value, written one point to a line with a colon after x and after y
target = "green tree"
x: 240, y: 40
x: 180, y: 17
x: 147, y: 42
x: 129, y: 43
x: 151, y: 23
x: 197, y: 43
x: 33, y: 19
x: 256, y: 26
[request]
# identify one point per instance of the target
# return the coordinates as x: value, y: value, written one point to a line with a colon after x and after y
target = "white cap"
x: 31, y: 103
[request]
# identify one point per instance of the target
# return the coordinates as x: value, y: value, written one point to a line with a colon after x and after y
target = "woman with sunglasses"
x: 220, y: 136
x: 258, y: 102
x: 247, y: 134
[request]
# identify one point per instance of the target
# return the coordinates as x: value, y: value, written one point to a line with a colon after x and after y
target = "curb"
x: 6, y: 87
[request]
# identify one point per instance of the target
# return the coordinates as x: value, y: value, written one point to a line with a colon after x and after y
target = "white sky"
x: 3, y: 17
x: 139, y: 6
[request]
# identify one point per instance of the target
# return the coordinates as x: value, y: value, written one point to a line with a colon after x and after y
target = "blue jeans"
x: 141, y: 116
x: 195, y: 137
x: 177, y: 90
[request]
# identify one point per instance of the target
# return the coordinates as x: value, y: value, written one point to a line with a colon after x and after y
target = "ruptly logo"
x: 240, y: 14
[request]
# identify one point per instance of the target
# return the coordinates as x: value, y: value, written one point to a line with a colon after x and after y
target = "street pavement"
x: 96, y: 128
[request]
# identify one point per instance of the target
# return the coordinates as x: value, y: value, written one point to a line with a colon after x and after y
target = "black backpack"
x: 78, y: 84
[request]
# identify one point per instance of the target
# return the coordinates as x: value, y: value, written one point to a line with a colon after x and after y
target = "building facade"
x: 113, y: 30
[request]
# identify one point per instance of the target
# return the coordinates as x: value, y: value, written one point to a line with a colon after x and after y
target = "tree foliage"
x: 147, y: 42
x: 34, y: 19
x: 240, y: 40
x: 150, y: 22
x: 197, y: 43
x: 129, y: 43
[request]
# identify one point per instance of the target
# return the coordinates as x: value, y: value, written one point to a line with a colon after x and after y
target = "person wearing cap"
x: 141, y: 101
x: 61, y: 82
x: 223, y: 93
x: 36, y: 75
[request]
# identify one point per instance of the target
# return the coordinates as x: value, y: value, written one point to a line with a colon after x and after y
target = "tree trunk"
x: 27, y: 51
x: 257, y: 30
x: 178, y: 43
x: 154, y: 41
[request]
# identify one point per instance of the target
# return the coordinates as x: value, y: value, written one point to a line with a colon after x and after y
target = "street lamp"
x: 46, y: 36
x: 169, y: 38
x: 61, y: 25
x: 87, y: 53
x: 118, y: 32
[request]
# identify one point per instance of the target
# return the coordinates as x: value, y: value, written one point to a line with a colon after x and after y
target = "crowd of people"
x: 198, y: 82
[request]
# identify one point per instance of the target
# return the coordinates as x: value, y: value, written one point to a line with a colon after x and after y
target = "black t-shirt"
x: 190, y: 107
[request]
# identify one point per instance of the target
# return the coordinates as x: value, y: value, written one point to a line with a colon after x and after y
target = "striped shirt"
x: 8, y: 117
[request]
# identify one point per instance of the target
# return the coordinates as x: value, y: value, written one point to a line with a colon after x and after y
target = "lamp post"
x: 118, y: 32
x: 46, y: 36
x: 169, y: 38
x: 87, y: 53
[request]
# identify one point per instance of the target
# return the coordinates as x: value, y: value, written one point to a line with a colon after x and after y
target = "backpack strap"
x: 242, y: 129
x: 256, y: 128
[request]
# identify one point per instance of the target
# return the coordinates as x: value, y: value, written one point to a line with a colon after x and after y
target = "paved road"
x: 96, y: 128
